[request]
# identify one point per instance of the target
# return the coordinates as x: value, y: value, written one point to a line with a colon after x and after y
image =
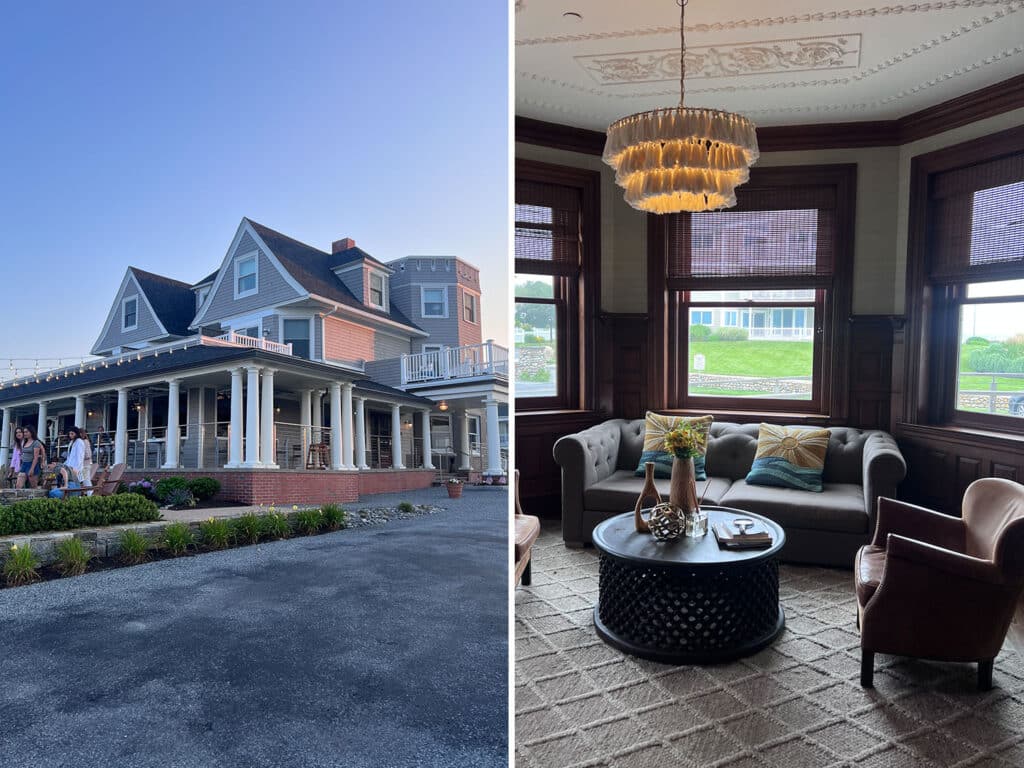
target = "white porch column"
x: 396, y: 437
x: 121, y: 428
x: 252, y: 418
x: 268, y: 449
x: 172, y: 440
x: 305, y: 419
x: 361, y: 433
x: 235, y: 444
x: 428, y: 456
x: 464, y: 452
x: 80, y: 411
x: 41, y: 422
x: 5, y: 439
x: 318, y: 415
x: 336, y: 430
x: 346, y: 427
x: 493, y: 439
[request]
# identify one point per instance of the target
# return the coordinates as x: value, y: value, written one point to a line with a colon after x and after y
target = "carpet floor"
x: 796, y: 704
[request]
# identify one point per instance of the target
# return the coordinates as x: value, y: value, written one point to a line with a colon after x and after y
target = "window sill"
x: 951, y: 431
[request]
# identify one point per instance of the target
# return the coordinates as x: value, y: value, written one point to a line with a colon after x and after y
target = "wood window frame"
x: 576, y: 296
x: 933, y: 311
x: 833, y: 310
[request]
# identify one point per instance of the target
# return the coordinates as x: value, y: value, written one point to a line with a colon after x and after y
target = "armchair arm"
x: 918, y: 523
x: 900, y: 549
x: 884, y: 469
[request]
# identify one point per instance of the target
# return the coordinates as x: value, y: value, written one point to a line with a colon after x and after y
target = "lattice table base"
x: 680, y: 615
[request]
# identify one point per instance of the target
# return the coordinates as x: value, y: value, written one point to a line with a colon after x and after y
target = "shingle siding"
x: 272, y: 287
x: 385, y: 371
x: 147, y: 325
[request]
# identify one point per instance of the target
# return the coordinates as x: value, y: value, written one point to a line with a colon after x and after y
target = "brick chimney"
x: 342, y: 245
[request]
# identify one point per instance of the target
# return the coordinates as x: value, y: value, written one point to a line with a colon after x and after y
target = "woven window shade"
x: 784, y: 236
x: 976, y: 221
x: 548, y: 233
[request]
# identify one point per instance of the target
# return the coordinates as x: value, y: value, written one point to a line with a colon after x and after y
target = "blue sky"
x: 141, y: 133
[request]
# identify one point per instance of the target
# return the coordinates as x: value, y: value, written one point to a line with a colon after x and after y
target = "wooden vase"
x: 650, y: 491
x: 683, y: 486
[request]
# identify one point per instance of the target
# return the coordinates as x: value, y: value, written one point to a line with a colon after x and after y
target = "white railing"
x: 254, y: 343
x: 487, y: 359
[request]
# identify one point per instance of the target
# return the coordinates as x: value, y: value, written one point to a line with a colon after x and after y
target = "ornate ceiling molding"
x: 771, y: 21
x: 825, y: 52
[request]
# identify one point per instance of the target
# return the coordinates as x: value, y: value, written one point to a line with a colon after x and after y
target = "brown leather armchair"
x: 943, y: 588
x: 527, y: 529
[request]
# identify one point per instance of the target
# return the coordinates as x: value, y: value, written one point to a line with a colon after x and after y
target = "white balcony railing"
x: 255, y: 343
x: 487, y: 359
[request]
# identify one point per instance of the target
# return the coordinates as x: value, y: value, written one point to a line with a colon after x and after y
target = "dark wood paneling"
x: 627, y: 364
x: 942, y: 462
x: 871, y: 351
x: 987, y: 102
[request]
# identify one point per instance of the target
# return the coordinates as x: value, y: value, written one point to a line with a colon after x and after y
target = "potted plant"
x: 454, y: 486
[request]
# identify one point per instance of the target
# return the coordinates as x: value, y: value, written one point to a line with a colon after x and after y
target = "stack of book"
x: 730, y: 537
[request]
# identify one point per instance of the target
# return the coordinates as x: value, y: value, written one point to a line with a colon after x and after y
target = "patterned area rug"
x: 797, y: 704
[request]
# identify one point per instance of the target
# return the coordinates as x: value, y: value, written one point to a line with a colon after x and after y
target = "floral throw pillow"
x: 789, y: 457
x: 656, y: 427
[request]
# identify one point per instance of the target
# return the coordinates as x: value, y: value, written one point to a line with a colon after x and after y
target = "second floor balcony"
x: 465, y: 362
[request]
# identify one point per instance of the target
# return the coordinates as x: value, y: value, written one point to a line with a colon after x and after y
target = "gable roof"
x: 172, y: 300
x: 311, y: 268
x: 352, y: 255
x: 208, y: 279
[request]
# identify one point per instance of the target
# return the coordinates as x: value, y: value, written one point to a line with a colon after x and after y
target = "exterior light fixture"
x: 681, y: 158
x: 442, y: 406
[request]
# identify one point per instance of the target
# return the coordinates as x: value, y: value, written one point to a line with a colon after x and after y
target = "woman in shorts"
x: 33, y: 456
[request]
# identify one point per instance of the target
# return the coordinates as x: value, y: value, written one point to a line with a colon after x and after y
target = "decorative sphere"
x: 667, y: 522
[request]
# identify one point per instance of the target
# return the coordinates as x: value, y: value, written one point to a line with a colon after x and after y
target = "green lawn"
x: 773, y: 359
x: 982, y: 382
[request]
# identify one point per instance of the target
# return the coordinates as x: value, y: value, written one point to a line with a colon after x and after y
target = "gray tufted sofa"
x: 825, y: 528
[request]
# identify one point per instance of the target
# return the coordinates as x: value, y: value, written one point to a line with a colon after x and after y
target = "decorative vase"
x: 454, y: 490
x: 649, y: 491
x: 683, y: 494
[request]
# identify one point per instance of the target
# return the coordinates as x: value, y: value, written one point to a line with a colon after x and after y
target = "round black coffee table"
x: 687, y: 601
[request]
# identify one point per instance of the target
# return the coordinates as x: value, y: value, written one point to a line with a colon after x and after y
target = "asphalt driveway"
x: 383, y: 646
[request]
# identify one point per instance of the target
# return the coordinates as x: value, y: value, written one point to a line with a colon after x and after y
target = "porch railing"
x: 254, y: 343
x: 487, y: 359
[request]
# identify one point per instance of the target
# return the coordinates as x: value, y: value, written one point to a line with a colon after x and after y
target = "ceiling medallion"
x: 681, y: 158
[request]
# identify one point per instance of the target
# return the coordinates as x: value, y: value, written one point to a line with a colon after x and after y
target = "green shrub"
x: 178, y: 537
x: 20, y: 566
x: 540, y: 375
x: 248, y: 528
x: 406, y: 507
x: 532, y: 338
x: 33, y: 515
x: 334, y: 516
x: 977, y: 341
x: 133, y: 546
x: 204, y: 488
x: 180, y: 498
x: 167, y: 486
x: 216, y: 532
x: 730, y: 334
x: 73, y: 556
x: 700, y: 333
x: 309, y: 520
x: 275, y: 525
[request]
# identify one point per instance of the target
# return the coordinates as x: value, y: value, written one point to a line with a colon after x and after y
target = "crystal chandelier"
x: 681, y: 158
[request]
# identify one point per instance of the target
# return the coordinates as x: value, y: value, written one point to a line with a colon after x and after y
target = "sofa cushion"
x: 789, y: 457
x: 619, y: 492
x: 868, y: 571
x: 656, y: 426
x: 839, y: 507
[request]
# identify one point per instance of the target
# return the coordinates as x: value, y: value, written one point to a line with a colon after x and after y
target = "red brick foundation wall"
x: 248, y: 486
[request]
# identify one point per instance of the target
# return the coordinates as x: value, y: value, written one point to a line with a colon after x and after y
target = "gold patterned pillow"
x: 656, y: 427
x: 789, y: 457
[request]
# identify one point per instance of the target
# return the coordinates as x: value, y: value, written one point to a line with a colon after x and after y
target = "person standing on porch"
x: 33, y: 456
x: 85, y: 476
x: 15, y: 467
x: 76, y: 451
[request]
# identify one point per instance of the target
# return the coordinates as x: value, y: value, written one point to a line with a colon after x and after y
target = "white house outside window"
x: 435, y: 302
x: 245, y: 276
x: 130, y: 315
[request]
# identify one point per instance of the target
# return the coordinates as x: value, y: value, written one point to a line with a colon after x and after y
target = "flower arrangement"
x: 454, y: 481
x: 686, y: 441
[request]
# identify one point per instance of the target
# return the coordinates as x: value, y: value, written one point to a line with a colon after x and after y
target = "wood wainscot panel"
x: 540, y: 478
x: 943, y: 461
x: 624, y: 356
x: 871, y: 357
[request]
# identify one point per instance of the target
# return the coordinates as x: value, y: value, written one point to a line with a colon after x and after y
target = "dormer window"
x: 378, y: 291
x: 434, y: 302
x: 246, y: 276
x: 130, y: 313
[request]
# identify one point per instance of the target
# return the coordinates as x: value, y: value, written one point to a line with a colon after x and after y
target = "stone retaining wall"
x: 11, y: 495
x: 752, y: 384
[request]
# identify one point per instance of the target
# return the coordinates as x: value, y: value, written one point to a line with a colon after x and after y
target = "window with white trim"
x: 433, y: 302
x: 378, y: 290
x: 130, y: 314
x: 468, y: 307
x: 245, y: 277
x: 474, y: 434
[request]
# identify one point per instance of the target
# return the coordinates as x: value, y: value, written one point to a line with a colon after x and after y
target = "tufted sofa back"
x: 731, y: 449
